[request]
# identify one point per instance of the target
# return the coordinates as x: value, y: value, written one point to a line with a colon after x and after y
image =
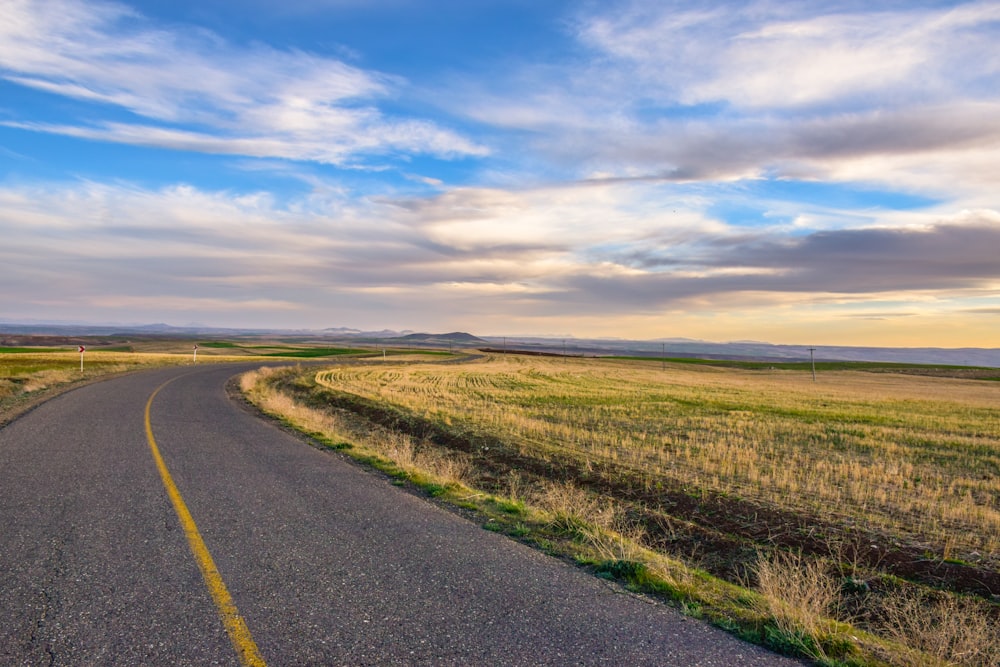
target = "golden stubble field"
x: 916, y: 456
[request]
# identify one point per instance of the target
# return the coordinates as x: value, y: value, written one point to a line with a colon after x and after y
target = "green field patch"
x: 930, y: 370
x: 32, y: 350
x: 220, y: 344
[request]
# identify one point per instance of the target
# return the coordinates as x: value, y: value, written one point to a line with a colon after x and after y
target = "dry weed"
x: 396, y: 447
x: 517, y: 489
x: 621, y: 542
x: 799, y: 594
x: 447, y: 468
x: 45, y: 379
x: 956, y: 631
x: 251, y: 381
x: 7, y: 388
x: 571, y: 508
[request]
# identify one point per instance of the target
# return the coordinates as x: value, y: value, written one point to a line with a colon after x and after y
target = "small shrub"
x: 517, y: 487
x: 956, y: 631
x: 627, y: 570
x: 617, y: 539
x: 447, y: 468
x: 571, y: 509
x: 340, y: 445
x: 45, y: 379
x: 7, y: 388
x: 799, y: 595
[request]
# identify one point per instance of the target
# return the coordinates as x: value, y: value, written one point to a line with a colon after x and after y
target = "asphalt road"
x: 326, y: 563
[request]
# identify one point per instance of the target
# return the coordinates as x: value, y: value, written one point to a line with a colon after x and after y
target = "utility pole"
x: 505, y: 347
x: 812, y: 362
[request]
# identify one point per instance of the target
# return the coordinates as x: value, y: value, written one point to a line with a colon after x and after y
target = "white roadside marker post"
x: 195, y: 359
x: 82, y: 350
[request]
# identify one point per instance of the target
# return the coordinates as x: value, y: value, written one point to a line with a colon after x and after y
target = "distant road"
x: 324, y: 563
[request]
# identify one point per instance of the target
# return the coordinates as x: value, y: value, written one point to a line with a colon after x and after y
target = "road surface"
x: 321, y: 562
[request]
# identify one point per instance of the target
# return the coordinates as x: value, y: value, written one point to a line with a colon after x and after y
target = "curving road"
x: 325, y: 563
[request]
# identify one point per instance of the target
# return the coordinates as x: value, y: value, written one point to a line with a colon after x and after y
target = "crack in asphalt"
x: 51, y: 601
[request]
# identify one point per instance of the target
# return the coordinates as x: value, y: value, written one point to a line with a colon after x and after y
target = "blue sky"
x: 812, y: 173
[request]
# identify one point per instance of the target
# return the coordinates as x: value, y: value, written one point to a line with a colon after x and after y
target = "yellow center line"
x: 237, y: 628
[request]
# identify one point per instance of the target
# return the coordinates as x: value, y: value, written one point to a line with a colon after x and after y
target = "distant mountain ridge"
x: 669, y: 347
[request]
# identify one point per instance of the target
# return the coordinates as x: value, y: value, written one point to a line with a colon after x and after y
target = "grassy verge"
x: 833, y: 607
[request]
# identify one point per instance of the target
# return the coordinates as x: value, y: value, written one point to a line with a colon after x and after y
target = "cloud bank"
x: 483, y: 250
x: 817, y: 167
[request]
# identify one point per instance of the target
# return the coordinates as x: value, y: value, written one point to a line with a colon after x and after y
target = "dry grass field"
x: 27, y: 376
x: 862, y: 510
x: 916, y: 456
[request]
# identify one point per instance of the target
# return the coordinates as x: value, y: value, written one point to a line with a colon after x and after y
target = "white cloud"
x: 901, y: 96
x: 777, y: 55
x: 203, y: 93
x: 552, y: 226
